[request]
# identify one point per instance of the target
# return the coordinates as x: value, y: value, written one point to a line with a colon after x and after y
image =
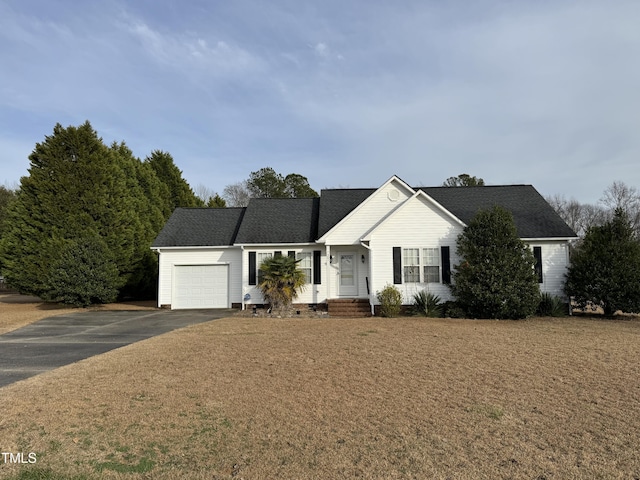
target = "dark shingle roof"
x: 192, y: 227
x: 335, y: 204
x: 280, y: 220
x: 533, y: 216
x: 304, y: 220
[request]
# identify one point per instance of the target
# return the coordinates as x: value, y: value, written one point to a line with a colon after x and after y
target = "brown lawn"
x: 342, y: 398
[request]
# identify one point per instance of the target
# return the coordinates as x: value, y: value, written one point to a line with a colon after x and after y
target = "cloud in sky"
x: 346, y: 94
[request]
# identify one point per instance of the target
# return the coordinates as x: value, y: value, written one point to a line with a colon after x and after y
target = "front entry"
x: 348, y: 284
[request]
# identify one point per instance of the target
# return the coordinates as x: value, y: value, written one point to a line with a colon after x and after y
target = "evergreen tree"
x: 7, y: 196
x: 267, y: 183
x: 496, y: 278
x: 463, y: 180
x: 149, y: 195
x: 297, y: 186
x: 83, y: 274
x: 216, y: 202
x: 77, y: 188
x: 180, y: 193
x: 605, y: 267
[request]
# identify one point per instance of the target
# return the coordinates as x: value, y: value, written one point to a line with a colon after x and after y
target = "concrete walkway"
x: 64, y: 339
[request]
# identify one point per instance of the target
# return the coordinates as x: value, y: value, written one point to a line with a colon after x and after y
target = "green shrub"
x: 496, y: 277
x: 427, y: 304
x: 390, y: 300
x: 83, y: 274
x: 605, y: 267
x: 551, y: 306
x: 451, y: 309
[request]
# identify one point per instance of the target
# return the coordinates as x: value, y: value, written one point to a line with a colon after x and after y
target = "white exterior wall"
x: 311, y: 293
x: 555, y: 262
x: 362, y: 270
x: 198, y: 256
x: 419, y: 224
x: 368, y: 214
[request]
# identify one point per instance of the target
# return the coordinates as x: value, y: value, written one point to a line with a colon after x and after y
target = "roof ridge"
x: 481, y: 186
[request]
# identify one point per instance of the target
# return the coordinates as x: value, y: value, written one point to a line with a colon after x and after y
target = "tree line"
x: 78, y: 229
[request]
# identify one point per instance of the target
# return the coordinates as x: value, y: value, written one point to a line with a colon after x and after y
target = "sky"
x: 346, y: 93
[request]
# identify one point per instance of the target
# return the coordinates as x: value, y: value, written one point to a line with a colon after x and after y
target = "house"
x: 350, y: 243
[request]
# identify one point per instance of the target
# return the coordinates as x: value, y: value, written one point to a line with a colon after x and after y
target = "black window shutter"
x: 397, y: 265
x: 252, y: 268
x: 317, y: 278
x: 446, y: 264
x: 537, y: 253
x: 291, y: 253
x: 277, y: 254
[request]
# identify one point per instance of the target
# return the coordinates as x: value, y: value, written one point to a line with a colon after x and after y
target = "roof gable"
x: 335, y: 204
x: 365, y: 215
x: 425, y: 199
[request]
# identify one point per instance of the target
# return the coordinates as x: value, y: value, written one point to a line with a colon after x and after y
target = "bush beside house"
x: 605, y: 268
x: 496, y: 278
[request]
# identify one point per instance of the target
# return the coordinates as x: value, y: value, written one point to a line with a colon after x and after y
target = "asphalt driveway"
x: 64, y: 339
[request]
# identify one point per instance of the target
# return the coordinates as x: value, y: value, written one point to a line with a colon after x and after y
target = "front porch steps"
x: 349, y: 307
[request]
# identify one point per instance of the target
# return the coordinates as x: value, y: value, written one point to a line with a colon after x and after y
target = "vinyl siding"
x: 368, y: 215
x: 204, y: 256
x: 555, y: 261
x: 422, y: 225
x: 310, y: 294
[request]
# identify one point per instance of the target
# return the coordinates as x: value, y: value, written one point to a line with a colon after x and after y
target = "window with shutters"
x: 305, y: 263
x: 261, y: 257
x: 411, y: 263
x: 431, y: 262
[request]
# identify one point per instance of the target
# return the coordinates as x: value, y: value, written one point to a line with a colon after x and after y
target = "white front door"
x: 348, y: 283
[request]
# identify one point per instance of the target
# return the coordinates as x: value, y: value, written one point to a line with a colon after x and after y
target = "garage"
x: 200, y: 286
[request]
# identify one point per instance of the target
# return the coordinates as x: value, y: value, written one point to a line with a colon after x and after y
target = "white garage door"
x: 200, y: 286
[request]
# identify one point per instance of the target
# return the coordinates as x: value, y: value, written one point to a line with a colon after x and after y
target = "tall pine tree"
x: 180, y: 193
x: 77, y: 189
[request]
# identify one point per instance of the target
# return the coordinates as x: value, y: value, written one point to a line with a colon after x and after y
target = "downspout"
x: 327, y: 256
x: 370, y: 276
x: 157, y: 250
x: 242, y: 275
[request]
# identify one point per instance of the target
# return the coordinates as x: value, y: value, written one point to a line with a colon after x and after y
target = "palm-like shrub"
x: 281, y: 281
x: 551, y: 306
x: 427, y: 304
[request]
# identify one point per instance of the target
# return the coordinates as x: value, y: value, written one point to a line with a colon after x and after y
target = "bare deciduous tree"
x: 625, y: 197
x: 236, y: 194
x: 581, y: 216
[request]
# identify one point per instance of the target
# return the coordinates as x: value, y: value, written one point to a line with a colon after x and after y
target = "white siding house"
x: 350, y: 243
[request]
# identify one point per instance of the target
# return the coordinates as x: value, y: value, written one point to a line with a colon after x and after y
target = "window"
x: 305, y: 264
x: 431, y: 261
x: 261, y: 257
x: 537, y: 253
x: 411, y: 262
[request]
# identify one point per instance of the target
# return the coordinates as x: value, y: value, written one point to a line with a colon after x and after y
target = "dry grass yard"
x: 328, y: 398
